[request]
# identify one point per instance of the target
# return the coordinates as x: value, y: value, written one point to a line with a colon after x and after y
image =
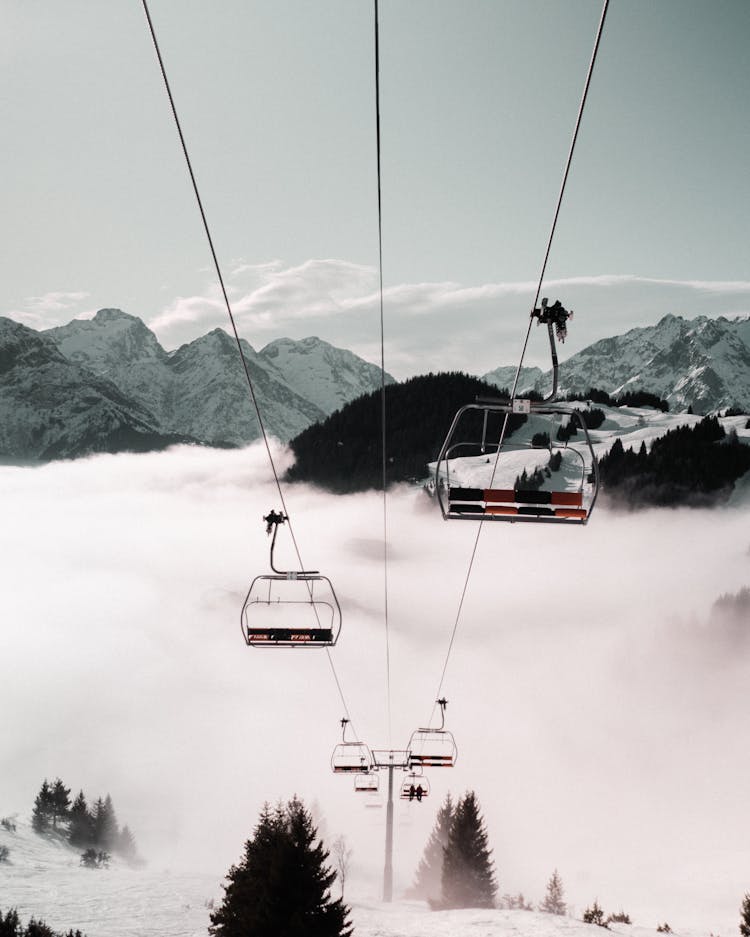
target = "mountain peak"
x: 110, y: 315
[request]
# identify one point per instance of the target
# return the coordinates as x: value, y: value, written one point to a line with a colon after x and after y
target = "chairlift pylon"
x: 290, y: 608
x: 433, y: 748
x: 513, y: 459
x: 350, y: 757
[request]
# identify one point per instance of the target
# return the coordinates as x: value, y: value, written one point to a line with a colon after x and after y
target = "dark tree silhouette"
x: 60, y: 805
x: 81, y: 830
x: 41, y: 815
x: 468, y: 873
x: 745, y: 916
x: 428, y: 882
x: 344, y: 452
x: 282, y: 884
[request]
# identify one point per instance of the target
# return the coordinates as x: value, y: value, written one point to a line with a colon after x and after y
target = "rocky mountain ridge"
x: 700, y: 363
x: 106, y: 383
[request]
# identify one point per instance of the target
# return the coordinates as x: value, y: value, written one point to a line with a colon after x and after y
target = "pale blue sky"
x: 277, y: 102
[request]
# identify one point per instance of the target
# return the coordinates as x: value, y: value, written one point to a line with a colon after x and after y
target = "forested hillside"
x: 344, y: 452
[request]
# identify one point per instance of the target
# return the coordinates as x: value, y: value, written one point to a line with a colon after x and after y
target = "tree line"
x: 12, y: 926
x: 92, y: 828
x: 695, y: 465
x: 343, y: 453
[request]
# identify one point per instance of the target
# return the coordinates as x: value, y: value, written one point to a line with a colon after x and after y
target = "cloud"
x: 593, y: 708
x: 433, y: 325
x: 51, y: 309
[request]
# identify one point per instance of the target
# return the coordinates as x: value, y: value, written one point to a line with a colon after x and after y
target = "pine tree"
x: 745, y: 919
x: 468, y: 874
x: 282, y: 885
x: 10, y: 924
x: 553, y: 901
x: 81, y: 830
x: 594, y: 915
x: 41, y: 816
x: 428, y: 882
x: 105, y: 824
x: 60, y: 806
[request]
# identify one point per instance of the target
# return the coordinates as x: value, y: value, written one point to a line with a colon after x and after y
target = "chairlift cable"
x: 528, y: 330
x: 382, y: 375
x: 562, y: 186
x: 225, y: 295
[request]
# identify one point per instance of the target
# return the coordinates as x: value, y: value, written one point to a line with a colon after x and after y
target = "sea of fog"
x: 600, y: 714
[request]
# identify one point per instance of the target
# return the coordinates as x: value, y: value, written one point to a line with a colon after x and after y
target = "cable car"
x: 367, y: 782
x: 350, y: 757
x: 520, y: 459
x: 415, y: 787
x: 433, y: 748
x: 295, y: 608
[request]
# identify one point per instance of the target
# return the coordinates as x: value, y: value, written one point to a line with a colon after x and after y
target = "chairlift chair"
x: 520, y: 459
x: 350, y: 757
x: 296, y: 608
x: 415, y: 786
x: 433, y: 748
x: 366, y: 782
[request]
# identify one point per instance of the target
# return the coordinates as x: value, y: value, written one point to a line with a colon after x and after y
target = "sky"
x: 478, y: 103
x: 600, y: 713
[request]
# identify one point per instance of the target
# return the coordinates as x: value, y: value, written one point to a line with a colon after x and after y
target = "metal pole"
x: 388, y: 871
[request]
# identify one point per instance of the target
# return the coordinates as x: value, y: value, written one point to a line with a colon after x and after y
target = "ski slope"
x: 44, y: 878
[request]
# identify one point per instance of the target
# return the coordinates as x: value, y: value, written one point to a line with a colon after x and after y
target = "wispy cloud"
x: 51, y: 309
x: 338, y: 300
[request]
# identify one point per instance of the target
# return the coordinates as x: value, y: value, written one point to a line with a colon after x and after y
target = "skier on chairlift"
x: 557, y: 314
x: 272, y: 519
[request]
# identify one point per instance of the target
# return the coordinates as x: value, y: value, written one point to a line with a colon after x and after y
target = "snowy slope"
x: 99, y: 383
x: 44, y: 878
x: 633, y: 426
x: 51, y: 407
x: 199, y: 390
x: 503, y: 377
x: 703, y: 363
x: 211, y: 397
x: 328, y: 377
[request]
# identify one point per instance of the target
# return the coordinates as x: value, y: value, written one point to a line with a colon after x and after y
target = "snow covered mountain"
x: 52, y: 407
x: 703, y: 363
x: 503, y: 377
x: 52, y: 382
x: 328, y: 377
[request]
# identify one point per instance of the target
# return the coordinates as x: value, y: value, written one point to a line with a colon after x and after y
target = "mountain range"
x: 700, y: 363
x: 106, y: 383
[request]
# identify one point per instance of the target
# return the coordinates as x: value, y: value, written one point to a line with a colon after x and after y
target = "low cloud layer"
x: 598, y: 717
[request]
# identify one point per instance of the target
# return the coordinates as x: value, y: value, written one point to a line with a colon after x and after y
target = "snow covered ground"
x: 44, y: 878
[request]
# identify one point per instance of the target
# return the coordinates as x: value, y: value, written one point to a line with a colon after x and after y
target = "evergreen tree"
x: 594, y: 915
x: 41, y: 816
x: 428, y: 882
x: 105, y: 824
x: 468, y: 874
x: 81, y: 829
x: 10, y: 924
x: 60, y: 805
x: 282, y: 885
x: 553, y: 901
x: 745, y: 919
